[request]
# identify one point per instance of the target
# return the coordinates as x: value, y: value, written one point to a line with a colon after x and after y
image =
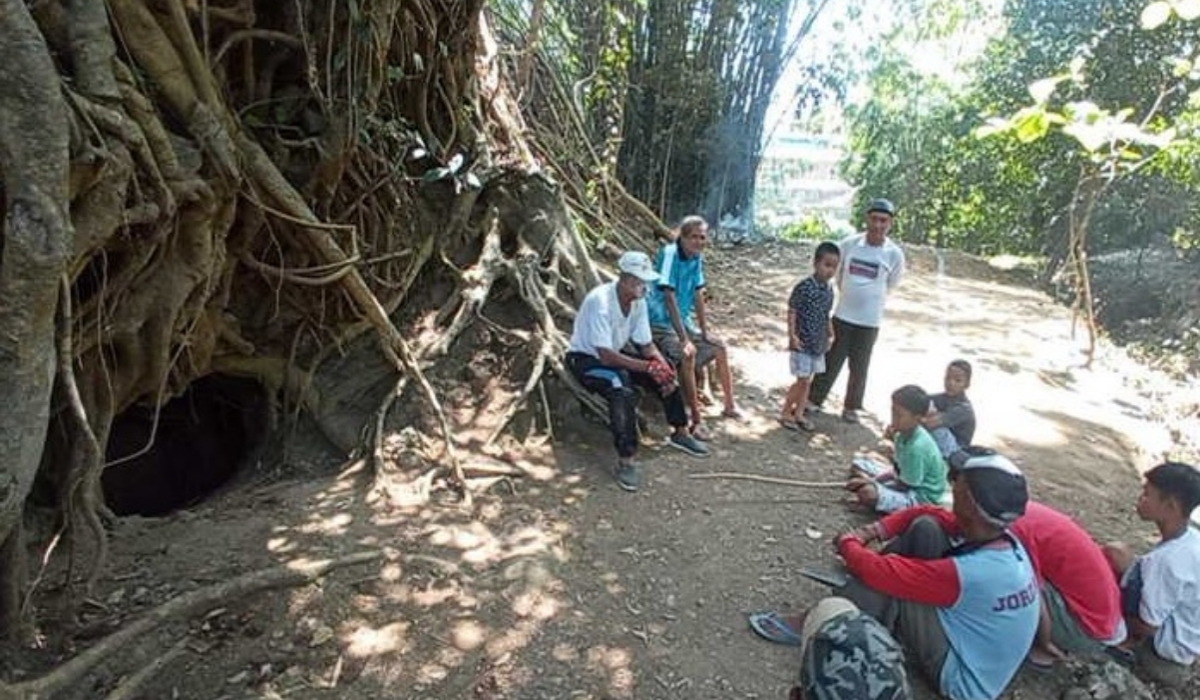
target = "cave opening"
x: 203, y: 437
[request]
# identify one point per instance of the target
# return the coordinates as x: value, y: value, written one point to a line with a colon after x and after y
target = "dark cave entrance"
x: 203, y: 437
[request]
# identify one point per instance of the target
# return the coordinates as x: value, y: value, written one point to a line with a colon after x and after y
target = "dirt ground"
x: 563, y: 586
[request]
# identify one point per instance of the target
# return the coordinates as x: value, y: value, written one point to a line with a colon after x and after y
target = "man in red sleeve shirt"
x: 1081, y: 604
x: 957, y: 589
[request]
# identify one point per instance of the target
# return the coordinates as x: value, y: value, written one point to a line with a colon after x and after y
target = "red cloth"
x: 1065, y: 555
x: 928, y: 581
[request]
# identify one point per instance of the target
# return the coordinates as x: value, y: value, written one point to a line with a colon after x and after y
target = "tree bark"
x: 34, y: 142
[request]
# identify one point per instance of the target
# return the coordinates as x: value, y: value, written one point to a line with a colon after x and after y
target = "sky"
x: 939, y: 56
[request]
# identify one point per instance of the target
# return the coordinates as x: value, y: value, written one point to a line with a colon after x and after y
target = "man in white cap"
x: 612, y: 317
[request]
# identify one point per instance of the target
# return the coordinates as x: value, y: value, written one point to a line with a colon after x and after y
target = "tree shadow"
x: 1089, y: 471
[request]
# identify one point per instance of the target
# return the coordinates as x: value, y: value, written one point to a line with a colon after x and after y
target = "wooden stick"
x: 770, y: 480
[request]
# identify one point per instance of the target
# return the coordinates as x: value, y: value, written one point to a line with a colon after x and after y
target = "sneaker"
x: 628, y: 475
x: 688, y: 444
x: 850, y: 416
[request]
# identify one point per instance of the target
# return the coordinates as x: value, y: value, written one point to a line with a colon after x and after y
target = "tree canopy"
x: 916, y: 137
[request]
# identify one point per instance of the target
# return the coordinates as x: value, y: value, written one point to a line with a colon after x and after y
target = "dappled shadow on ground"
x: 562, y: 586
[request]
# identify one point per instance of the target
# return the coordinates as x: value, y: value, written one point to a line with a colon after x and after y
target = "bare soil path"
x: 566, y: 587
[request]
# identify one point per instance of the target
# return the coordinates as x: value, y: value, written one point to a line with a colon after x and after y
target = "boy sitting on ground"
x: 919, y: 473
x: 951, y: 419
x: 810, y: 333
x: 1160, y: 590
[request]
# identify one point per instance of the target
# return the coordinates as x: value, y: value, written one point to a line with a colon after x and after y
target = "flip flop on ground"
x: 1038, y: 665
x: 772, y: 627
x: 797, y: 424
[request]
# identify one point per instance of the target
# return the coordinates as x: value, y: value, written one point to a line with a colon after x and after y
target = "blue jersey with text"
x: 991, y: 626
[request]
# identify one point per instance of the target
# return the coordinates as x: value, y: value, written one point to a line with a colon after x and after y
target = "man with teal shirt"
x: 678, y: 319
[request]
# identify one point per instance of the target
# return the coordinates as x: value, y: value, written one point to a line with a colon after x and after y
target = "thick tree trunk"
x: 247, y: 196
x: 33, y: 164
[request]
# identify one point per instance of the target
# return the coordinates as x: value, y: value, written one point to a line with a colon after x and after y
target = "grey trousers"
x: 914, y: 625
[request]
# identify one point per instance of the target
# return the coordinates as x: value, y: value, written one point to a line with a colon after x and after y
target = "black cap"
x: 882, y: 205
x: 997, y: 485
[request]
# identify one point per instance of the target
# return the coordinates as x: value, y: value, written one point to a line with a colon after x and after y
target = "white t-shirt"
x: 1171, y: 596
x: 866, y: 275
x: 600, y: 323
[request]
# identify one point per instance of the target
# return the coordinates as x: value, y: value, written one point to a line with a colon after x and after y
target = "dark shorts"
x: 1064, y: 627
x: 669, y: 345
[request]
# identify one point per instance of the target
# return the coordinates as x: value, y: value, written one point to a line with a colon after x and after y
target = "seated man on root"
x: 612, y: 316
x: 1160, y: 590
x: 956, y: 589
x: 673, y: 301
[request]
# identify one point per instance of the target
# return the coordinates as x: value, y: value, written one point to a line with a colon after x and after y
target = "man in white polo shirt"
x: 871, y: 266
x: 612, y: 316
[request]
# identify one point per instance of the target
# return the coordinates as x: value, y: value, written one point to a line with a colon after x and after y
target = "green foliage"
x: 1073, y: 87
x: 809, y: 228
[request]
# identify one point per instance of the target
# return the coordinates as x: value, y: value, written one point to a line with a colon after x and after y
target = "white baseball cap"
x: 638, y: 264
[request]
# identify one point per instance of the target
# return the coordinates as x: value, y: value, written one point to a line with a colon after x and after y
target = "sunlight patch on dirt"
x: 365, y: 640
x: 613, y: 663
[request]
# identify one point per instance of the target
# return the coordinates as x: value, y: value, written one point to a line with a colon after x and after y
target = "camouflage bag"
x: 852, y: 657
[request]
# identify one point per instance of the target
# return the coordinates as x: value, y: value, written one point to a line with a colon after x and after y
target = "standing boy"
x: 612, y: 315
x: 871, y: 267
x: 1160, y: 590
x: 809, y: 333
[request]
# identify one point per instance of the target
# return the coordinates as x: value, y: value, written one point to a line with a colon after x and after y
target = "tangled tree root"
x: 185, y: 605
x: 251, y: 187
